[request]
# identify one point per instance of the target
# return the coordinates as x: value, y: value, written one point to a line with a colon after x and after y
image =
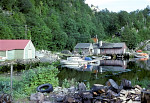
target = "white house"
x: 17, y: 49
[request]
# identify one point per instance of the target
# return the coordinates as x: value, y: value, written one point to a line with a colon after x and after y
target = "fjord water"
x: 135, y: 70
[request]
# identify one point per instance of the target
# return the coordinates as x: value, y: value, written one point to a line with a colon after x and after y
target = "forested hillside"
x: 60, y: 24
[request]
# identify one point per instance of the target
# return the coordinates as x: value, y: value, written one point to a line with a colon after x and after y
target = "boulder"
x: 81, y: 87
x: 138, y: 87
x: 39, y: 97
x: 86, y: 95
x: 72, y: 89
x: 112, y: 94
x: 112, y: 85
x: 126, y: 84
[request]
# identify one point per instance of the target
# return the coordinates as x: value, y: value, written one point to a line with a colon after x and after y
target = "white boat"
x: 72, y: 66
x: 106, y: 57
x: 74, y: 61
x: 94, y: 62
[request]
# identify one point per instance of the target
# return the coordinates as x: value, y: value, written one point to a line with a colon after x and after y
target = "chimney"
x: 96, y: 39
x: 100, y: 43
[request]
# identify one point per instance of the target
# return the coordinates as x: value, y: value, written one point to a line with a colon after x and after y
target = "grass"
x: 143, y: 83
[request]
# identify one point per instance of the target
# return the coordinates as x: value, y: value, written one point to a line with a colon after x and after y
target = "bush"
x: 40, y: 75
x: 143, y: 83
x: 68, y: 83
x: 29, y: 81
x: 5, y: 85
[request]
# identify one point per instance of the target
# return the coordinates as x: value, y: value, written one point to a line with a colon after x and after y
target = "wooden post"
x: 145, y: 97
x: 101, y: 70
x: 11, y: 76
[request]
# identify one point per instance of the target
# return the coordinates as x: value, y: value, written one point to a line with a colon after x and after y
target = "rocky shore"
x: 109, y: 93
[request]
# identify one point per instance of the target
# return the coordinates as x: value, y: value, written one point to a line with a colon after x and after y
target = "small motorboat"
x: 72, y: 66
x: 106, y: 57
x: 74, y: 61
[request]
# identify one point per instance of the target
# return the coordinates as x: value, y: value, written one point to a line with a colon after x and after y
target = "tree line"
x: 60, y: 24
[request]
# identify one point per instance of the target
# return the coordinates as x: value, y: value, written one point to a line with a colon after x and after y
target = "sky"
x: 117, y: 5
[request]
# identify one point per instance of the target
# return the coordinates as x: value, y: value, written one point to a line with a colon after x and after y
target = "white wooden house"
x: 17, y: 49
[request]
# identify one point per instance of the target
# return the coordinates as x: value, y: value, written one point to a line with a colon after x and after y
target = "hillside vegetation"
x: 60, y: 24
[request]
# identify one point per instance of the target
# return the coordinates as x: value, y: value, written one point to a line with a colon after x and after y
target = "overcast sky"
x: 117, y: 5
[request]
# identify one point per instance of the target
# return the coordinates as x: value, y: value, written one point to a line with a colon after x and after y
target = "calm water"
x: 134, y: 70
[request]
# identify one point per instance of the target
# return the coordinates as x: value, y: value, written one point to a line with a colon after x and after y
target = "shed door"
x: 29, y: 53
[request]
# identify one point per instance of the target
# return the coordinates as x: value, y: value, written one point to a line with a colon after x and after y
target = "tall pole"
x: 11, y: 76
x: 25, y: 31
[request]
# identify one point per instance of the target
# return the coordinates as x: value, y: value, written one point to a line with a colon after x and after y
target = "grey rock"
x: 37, y: 97
x: 72, y: 89
x: 81, y: 87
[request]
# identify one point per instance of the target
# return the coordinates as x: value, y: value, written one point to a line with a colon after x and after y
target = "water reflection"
x: 143, y: 63
x: 136, y: 70
x: 104, y: 65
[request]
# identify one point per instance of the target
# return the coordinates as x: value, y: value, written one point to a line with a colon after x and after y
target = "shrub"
x: 68, y: 83
x: 29, y: 81
x: 5, y: 85
x: 40, y: 75
x: 143, y: 83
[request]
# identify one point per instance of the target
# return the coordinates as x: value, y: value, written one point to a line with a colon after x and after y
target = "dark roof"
x: 83, y: 45
x: 112, y: 45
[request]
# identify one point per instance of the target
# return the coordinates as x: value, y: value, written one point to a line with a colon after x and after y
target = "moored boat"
x: 74, y: 61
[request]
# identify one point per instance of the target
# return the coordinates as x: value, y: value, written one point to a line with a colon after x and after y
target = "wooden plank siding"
x: 116, y: 50
x: 112, y: 51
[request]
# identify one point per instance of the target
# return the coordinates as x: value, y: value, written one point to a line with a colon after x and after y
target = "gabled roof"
x: 13, y: 44
x: 112, y: 45
x: 83, y: 45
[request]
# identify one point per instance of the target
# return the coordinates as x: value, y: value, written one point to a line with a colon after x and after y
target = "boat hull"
x: 66, y: 62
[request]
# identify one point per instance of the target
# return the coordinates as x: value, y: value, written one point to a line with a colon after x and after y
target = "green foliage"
x: 128, y: 35
x: 88, y: 86
x: 30, y: 80
x: 143, y: 83
x: 114, y: 40
x: 7, y: 4
x: 6, y: 32
x: 5, y: 84
x: 41, y: 75
x: 25, y: 6
x: 61, y: 24
x: 68, y: 83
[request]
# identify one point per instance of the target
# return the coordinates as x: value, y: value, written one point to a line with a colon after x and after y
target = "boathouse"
x: 84, y: 48
x: 113, y: 48
x: 17, y: 49
x: 111, y: 65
